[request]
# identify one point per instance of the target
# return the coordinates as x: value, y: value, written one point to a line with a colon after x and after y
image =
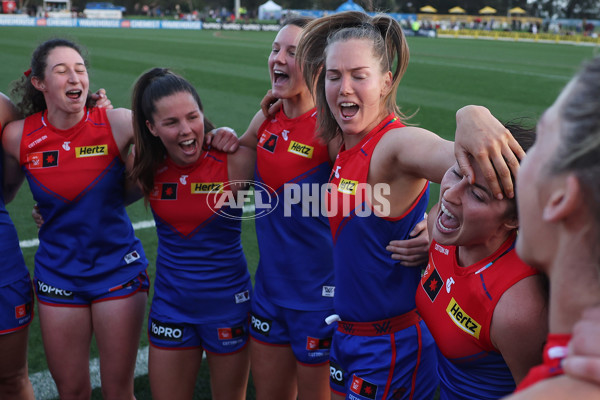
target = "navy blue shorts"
x: 16, y: 305
x: 305, y: 331
x: 53, y: 296
x: 223, y: 337
x: 396, y: 364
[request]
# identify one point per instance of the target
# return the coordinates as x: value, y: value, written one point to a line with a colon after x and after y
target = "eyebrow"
x: 477, y: 185
x: 351, y: 69
x: 64, y: 64
x: 292, y: 46
x: 485, y: 189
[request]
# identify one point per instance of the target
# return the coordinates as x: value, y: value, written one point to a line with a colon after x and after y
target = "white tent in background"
x: 269, y: 10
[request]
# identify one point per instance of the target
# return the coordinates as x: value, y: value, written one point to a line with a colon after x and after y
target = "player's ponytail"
x: 149, y: 151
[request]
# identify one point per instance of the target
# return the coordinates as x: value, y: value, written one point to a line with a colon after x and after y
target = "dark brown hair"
x: 150, y: 152
x: 32, y: 100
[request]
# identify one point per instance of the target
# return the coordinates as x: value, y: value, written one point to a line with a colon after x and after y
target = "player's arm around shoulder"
x: 250, y: 138
x: 520, y: 325
x: 11, y: 144
x: 121, y: 124
x: 414, y: 151
x: 133, y: 190
x: 8, y: 111
x: 240, y: 166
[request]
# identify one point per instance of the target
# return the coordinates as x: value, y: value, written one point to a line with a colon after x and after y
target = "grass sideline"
x: 229, y: 69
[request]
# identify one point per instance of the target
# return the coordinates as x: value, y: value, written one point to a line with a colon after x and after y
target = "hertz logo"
x: 91, y: 151
x: 206, y: 187
x: 462, y: 319
x: 347, y: 186
x: 301, y: 149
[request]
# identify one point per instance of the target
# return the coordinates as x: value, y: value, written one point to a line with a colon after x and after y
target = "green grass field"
x: 229, y: 69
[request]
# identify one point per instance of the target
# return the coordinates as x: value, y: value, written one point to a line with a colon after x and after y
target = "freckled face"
x: 179, y: 124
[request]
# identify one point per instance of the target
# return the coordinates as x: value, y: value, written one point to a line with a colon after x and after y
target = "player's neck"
x: 574, y: 284
x: 298, y: 105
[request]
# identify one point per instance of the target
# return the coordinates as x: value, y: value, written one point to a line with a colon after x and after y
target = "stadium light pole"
x: 237, y: 6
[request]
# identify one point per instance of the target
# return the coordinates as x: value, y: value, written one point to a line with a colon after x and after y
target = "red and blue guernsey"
x: 201, y: 272
x: 12, y: 266
x: 370, y: 285
x: 296, y: 262
x: 457, y: 304
x: 77, y: 178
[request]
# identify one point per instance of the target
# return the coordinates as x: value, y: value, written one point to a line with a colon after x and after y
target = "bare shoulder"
x: 8, y: 111
x: 241, y: 163
x: 524, y: 302
x: 121, y: 124
x: 416, y: 151
x: 250, y: 137
x: 258, y: 119
x: 11, y: 137
x: 119, y: 115
x: 559, y: 388
x: 407, y: 140
x: 522, y: 309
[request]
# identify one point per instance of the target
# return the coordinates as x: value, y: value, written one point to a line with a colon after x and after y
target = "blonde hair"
x: 579, y: 148
x: 389, y: 46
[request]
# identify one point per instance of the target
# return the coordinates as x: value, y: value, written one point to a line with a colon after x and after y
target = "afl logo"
x: 242, y: 199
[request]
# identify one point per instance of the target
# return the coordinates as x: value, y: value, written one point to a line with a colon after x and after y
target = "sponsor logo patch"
x: 51, y: 291
x: 363, y: 388
x: 230, y: 333
x: 91, y: 151
x: 206, y: 187
x: 462, y: 319
x: 328, y: 291
x: 22, y: 311
x: 347, y: 186
x: 43, y: 159
x: 345, y: 327
x: 131, y: 257
x: 301, y: 149
x: 336, y: 374
x: 37, y: 141
x: 164, y: 331
x: 268, y: 141
x: 382, y: 327
x: 441, y: 249
x: 317, y: 344
x: 432, y: 285
x: 260, y: 325
x: 242, y: 297
x: 164, y: 191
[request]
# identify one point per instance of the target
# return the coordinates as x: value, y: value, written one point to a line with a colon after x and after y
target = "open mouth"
x: 348, y: 110
x: 280, y: 77
x: 446, y: 221
x: 188, y: 146
x: 74, y: 94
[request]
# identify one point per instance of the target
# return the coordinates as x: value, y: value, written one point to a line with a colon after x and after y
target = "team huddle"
x: 373, y: 299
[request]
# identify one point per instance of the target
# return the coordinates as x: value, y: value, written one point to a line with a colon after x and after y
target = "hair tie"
x: 27, y: 73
